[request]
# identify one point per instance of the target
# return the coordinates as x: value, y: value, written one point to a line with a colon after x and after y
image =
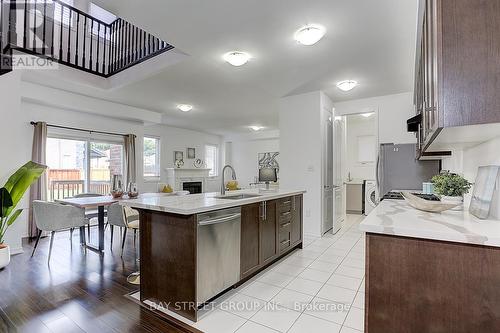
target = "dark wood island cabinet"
x: 170, y: 253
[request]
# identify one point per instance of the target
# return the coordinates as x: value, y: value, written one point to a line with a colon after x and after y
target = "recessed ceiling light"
x: 256, y: 128
x: 185, y: 107
x: 347, y: 85
x: 367, y: 115
x: 310, y: 34
x: 236, y: 58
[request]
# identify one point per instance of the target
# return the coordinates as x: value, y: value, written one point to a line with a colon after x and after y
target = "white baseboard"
x: 17, y: 250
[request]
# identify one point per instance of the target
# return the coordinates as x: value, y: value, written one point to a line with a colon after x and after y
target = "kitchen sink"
x: 238, y: 196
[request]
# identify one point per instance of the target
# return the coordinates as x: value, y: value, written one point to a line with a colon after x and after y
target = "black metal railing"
x: 67, y: 35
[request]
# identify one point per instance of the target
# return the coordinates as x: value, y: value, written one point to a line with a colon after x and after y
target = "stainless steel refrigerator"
x: 398, y: 168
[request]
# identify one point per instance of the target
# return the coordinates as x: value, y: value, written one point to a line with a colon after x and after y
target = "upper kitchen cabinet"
x: 457, y: 73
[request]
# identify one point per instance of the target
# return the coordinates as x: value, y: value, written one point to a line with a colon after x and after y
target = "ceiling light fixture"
x: 236, y: 58
x: 256, y: 128
x: 367, y: 115
x: 185, y: 107
x: 347, y: 85
x: 310, y: 34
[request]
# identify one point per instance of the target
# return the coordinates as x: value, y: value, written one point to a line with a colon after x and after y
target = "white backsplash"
x: 468, y: 160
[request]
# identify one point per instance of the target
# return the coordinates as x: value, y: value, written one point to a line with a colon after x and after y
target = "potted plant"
x: 10, y: 195
x: 451, y: 187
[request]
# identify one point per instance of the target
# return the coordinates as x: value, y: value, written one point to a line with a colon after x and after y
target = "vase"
x: 4, y: 255
x: 454, y: 200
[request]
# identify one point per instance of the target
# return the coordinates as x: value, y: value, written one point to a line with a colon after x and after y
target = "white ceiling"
x: 369, y: 41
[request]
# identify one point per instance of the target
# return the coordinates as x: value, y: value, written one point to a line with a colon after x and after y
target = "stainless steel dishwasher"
x: 218, y: 252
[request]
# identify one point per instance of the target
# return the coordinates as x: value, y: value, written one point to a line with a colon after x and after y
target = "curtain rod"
x: 80, y: 129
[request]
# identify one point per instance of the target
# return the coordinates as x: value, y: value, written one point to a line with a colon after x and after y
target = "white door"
x: 328, y: 174
x: 339, y: 146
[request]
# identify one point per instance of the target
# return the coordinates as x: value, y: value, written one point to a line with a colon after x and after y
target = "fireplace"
x: 192, y: 187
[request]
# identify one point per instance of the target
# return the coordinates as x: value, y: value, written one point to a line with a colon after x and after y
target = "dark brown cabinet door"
x: 296, y: 226
x: 268, y: 232
x: 250, y: 236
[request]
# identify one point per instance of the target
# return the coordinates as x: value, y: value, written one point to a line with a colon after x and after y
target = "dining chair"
x: 51, y: 216
x: 123, y: 217
x: 91, y: 214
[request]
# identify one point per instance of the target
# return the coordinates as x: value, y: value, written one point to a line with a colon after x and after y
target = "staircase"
x: 53, y: 30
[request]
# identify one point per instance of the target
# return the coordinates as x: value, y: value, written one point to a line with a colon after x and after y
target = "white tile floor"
x: 317, y: 289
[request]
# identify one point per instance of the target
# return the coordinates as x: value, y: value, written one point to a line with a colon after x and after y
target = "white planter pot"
x: 4, y: 256
x: 454, y: 200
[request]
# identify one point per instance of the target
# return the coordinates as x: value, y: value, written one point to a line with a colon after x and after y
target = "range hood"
x: 413, y: 125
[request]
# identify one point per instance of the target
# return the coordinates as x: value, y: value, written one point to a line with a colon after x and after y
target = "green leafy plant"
x: 450, y: 184
x: 13, y: 191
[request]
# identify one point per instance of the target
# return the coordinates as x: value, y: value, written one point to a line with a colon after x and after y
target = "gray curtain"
x: 38, y: 190
x: 130, y: 171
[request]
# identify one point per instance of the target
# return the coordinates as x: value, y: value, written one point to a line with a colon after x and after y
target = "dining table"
x: 100, y: 203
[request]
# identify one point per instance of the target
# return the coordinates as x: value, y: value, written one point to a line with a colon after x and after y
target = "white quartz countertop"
x: 204, y: 202
x: 396, y: 217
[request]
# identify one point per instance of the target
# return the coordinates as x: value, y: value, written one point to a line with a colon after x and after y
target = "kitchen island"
x: 428, y: 272
x: 195, y: 247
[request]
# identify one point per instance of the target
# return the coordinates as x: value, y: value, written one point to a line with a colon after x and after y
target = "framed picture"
x: 483, y: 191
x: 178, y: 155
x: 191, y: 153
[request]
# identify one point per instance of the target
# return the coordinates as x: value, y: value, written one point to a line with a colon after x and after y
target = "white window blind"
x: 211, y: 158
x: 151, y: 157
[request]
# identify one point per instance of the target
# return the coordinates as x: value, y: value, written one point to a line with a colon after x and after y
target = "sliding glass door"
x: 106, y: 160
x: 81, y: 166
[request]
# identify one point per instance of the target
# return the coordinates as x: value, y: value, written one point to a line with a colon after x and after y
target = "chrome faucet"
x: 223, y: 185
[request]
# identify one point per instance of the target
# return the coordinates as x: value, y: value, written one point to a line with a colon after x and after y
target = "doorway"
x: 361, y: 150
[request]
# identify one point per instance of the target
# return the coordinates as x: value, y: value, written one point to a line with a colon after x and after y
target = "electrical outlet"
x: 308, y: 213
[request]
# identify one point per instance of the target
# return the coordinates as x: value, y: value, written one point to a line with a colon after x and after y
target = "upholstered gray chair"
x: 91, y: 213
x: 123, y: 217
x: 51, y: 216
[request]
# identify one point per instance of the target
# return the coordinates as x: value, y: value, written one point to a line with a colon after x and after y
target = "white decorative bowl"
x: 427, y: 205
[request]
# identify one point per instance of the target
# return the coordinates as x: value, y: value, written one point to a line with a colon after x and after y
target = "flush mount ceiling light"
x: 310, y: 34
x: 367, y: 115
x: 185, y: 107
x: 236, y: 58
x: 347, y: 85
x: 255, y: 128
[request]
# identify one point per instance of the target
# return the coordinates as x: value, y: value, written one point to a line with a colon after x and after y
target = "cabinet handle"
x: 293, y: 204
x: 285, y: 213
x: 285, y: 241
x: 285, y: 225
x: 286, y: 202
x: 265, y: 210
x: 261, y: 211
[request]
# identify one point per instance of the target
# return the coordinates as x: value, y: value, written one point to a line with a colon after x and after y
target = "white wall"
x: 244, y: 157
x: 467, y: 161
x: 393, y: 111
x: 359, y: 126
x: 16, y: 135
x: 301, y: 153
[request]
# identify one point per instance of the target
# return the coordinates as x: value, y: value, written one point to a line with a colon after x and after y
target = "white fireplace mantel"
x: 177, y: 176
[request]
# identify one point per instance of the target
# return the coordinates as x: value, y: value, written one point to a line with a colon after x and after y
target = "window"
x: 151, y: 157
x: 103, y: 15
x: 211, y: 158
x: 80, y: 165
x: 58, y: 8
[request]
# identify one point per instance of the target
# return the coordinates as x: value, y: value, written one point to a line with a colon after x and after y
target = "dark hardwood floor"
x: 76, y: 292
